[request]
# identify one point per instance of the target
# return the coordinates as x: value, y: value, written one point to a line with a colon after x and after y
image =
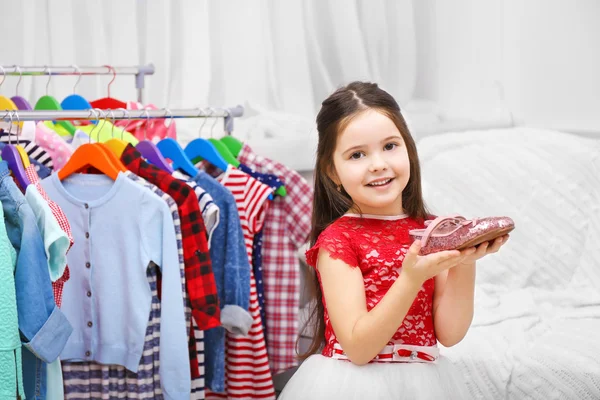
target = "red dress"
x: 409, y: 366
x: 377, y: 245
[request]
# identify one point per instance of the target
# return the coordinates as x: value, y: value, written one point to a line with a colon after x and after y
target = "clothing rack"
x: 140, y: 72
x: 228, y: 114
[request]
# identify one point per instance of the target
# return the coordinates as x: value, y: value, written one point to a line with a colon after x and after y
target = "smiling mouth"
x: 381, y: 182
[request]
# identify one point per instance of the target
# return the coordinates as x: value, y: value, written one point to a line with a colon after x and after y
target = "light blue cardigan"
x: 118, y: 228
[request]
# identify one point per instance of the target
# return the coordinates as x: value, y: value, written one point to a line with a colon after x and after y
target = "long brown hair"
x: 329, y: 203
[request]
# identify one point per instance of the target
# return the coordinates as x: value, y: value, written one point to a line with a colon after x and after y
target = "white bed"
x: 537, y: 319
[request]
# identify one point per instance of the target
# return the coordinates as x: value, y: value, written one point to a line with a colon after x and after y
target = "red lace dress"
x: 377, y: 245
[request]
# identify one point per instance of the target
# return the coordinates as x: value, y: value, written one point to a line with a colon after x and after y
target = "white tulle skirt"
x: 321, y: 377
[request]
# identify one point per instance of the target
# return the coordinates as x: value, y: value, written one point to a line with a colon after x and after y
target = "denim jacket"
x: 44, y: 328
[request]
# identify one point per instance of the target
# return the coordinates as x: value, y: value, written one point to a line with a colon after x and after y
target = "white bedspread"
x: 537, y: 319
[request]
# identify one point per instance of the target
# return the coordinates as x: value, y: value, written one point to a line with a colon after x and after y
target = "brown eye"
x: 356, y: 156
x: 390, y: 146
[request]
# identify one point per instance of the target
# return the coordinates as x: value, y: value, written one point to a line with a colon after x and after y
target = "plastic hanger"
x: 150, y: 151
x: 11, y: 155
x: 20, y: 102
x: 118, y: 145
x: 9, y: 105
x: 116, y: 161
x: 224, y: 152
x: 50, y: 103
x: 170, y: 149
x: 200, y: 148
x: 107, y: 103
x: 94, y: 155
x: 75, y: 101
x: 234, y: 145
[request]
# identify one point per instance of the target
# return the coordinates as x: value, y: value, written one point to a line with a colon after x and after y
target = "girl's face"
x: 372, y: 164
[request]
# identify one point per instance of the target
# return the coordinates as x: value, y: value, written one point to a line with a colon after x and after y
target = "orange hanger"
x: 94, y: 155
x: 89, y: 154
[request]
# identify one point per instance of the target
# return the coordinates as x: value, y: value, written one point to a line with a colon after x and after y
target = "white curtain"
x: 282, y: 56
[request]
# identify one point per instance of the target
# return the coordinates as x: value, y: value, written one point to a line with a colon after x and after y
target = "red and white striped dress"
x: 247, y: 373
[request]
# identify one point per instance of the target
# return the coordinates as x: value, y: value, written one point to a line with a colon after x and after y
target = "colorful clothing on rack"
x: 57, y: 283
x: 31, y: 148
x: 247, y: 362
x: 59, y: 150
x: 200, y: 280
x: 232, y: 274
x: 56, y: 244
x: 275, y: 183
x: 146, y: 383
x: 44, y: 328
x: 11, y: 374
x: 286, y: 229
x: 154, y: 129
x: 208, y: 208
x: 139, y: 220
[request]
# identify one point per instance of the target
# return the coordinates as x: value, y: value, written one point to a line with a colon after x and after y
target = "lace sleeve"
x: 338, y: 243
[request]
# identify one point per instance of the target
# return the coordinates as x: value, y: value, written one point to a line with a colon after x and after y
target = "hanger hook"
x: 18, y: 125
x: 205, y: 119
x: 168, y: 111
x: 10, y: 128
x: 3, y: 76
x: 147, y: 122
x: 113, y: 78
x: 95, y: 114
x: 126, y: 112
x: 112, y: 131
x: 104, y: 116
x: 76, y: 68
x: 90, y: 118
x: 46, y: 69
x: 20, y: 71
x: 213, y: 126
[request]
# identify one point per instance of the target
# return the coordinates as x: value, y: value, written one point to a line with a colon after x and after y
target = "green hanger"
x: 234, y: 145
x: 225, y: 153
x: 50, y: 103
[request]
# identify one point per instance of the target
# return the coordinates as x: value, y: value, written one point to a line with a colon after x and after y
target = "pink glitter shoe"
x: 455, y: 232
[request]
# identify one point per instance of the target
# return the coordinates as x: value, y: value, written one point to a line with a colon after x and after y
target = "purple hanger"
x: 21, y: 103
x: 151, y: 153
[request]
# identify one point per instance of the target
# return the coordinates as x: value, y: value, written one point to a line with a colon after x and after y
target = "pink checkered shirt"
x: 286, y: 228
x: 61, y: 218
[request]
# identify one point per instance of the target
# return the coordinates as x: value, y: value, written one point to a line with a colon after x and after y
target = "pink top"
x: 154, y: 129
x: 377, y: 245
x: 59, y: 150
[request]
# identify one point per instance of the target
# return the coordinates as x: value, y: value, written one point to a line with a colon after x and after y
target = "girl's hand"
x: 484, y: 249
x: 418, y: 268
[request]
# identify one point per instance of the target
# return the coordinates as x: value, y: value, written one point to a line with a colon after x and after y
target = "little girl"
x: 380, y: 307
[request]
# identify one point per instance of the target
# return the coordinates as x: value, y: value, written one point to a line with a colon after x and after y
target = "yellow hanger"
x: 117, y: 146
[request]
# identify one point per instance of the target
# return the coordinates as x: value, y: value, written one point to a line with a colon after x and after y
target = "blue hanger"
x: 172, y: 150
x: 205, y: 149
x: 75, y: 101
x: 202, y: 148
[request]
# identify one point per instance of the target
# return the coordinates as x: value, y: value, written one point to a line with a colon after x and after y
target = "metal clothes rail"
x: 140, y: 72
x: 228, y: 114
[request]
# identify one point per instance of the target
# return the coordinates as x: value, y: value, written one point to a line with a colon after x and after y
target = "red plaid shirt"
x: 199, y: 277
x: 61, y: 218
